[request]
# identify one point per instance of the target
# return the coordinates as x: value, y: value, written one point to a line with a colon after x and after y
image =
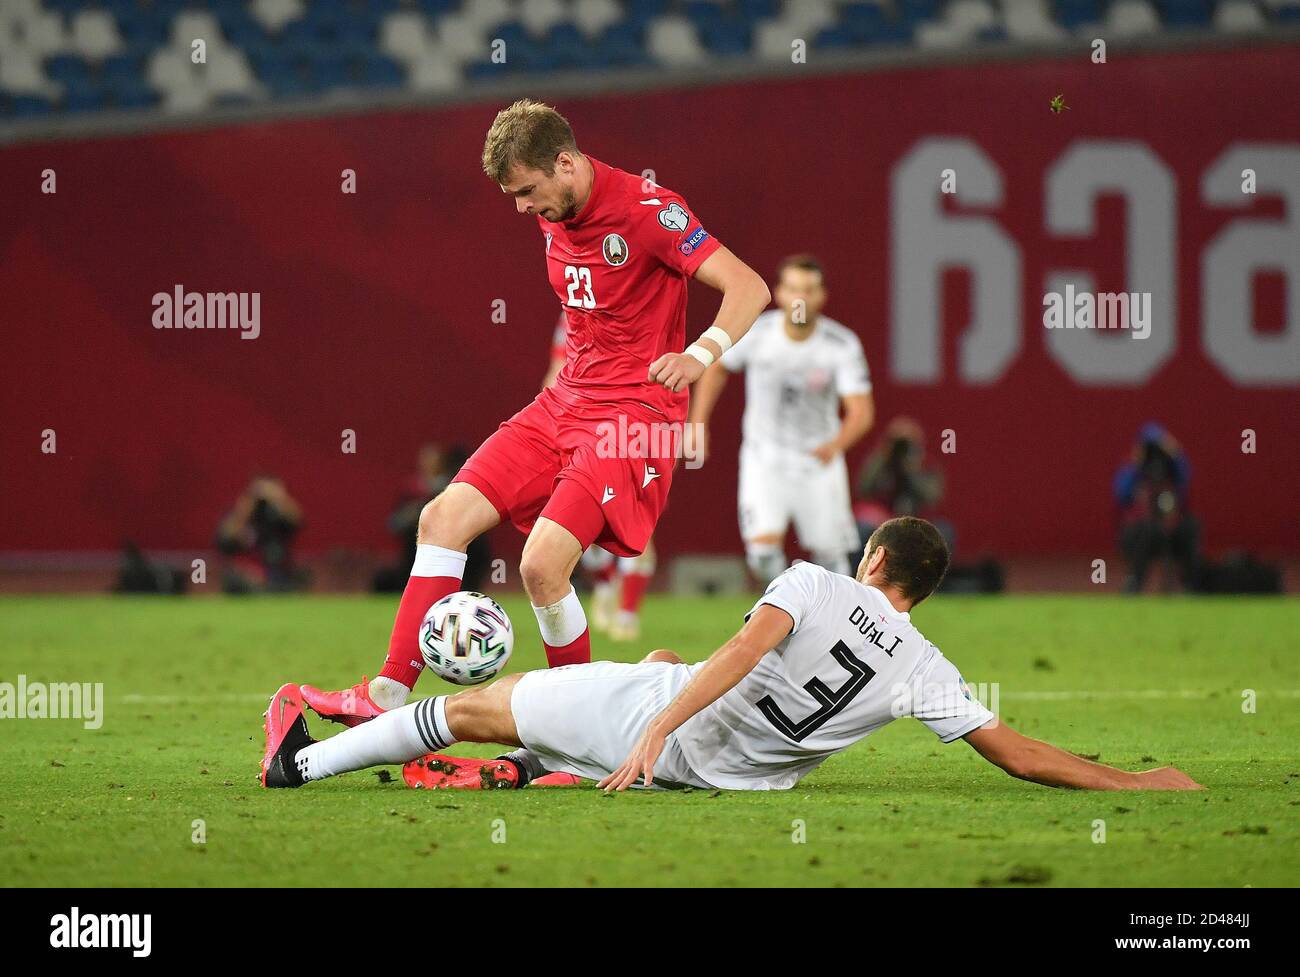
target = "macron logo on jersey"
x: 609, y: 494
x: 651, y: 473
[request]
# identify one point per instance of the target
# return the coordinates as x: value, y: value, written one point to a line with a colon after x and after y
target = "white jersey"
x: 851, y: 664
x: 793, y: 389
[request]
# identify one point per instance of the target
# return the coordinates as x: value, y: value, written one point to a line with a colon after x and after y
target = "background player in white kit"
x: 822, y: 661
x: 801, y: 368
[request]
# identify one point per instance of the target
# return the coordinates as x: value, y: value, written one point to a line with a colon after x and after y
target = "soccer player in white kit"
x: 801, y: 368
x: 822, y: 661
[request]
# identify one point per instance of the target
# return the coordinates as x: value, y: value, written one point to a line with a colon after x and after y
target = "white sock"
x: 437, y: 561
x: 395, y: 737
x: 563, y: 622
x: 388, y: 693
x: 430, y: 561
x: 766, y: 560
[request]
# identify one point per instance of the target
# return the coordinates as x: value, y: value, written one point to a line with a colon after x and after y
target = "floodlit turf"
x: 1140, y: 682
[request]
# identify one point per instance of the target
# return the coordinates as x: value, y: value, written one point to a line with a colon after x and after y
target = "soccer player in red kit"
x: 619, y: 253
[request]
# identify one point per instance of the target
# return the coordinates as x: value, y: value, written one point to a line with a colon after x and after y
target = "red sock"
x: 634, y: 586
x: 431, y: 581
x: 576, y: 652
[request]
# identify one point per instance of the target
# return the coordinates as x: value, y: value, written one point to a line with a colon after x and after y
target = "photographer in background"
x: 1151, y: 489
x: 895, y: 481
x: 261, y: 528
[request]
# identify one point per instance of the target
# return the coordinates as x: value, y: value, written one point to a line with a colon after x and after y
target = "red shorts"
x: 600, y: 470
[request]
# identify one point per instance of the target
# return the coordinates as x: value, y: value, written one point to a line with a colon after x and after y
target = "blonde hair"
x: 528, y: 133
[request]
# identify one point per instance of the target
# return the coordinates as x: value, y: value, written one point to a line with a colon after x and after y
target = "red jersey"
x: 620, y: 268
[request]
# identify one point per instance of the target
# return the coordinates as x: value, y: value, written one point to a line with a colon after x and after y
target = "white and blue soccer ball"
x: 466, y: 638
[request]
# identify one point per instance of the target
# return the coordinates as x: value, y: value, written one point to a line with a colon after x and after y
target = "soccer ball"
x: 466, y: 638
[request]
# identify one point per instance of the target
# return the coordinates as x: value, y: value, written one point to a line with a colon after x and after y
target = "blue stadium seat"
x: 623, y: 44
x: 1185, y: 13
x: 68, y: 70
x: 754, y: 10
x: 1073, y: 13
x: 378, y: 71
x: 436, y: 8
x: 28, y: 106
x: 90, y: 99
x: 570, y: 48
x: 122, y: 70
x: 721, y: 29
x: 131, y: 94
x: 862, y: 22
x: 912, y: 11
x: 641, y: 12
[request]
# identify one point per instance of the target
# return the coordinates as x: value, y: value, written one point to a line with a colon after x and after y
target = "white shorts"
x: 775, y: 489
x: 585, y: 719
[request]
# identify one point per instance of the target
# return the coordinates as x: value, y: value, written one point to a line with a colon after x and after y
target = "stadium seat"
x: 592, y: 17
x: 272, y: 15
x: 674, y: 41
x: 1238, y: 16
x: 1185, y: 13
x: 21, y: 73
x: 1077, y: 13
x: 94, y: 34
x: 1030, y: 20
x: 1130, y: 18
x: 539, y: 16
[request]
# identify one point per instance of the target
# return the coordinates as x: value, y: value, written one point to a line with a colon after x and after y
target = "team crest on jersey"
x: 614, y: 249
x: 674, y: 217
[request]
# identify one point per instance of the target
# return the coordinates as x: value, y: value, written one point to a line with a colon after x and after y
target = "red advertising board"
x: 1174, y: 176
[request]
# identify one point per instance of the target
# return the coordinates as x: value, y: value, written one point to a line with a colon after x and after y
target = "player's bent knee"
x: 544, y: 579
x: 455, y: 517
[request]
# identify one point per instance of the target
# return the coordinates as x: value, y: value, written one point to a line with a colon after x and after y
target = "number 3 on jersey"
x: 579, y: 278
x: 830, y: 701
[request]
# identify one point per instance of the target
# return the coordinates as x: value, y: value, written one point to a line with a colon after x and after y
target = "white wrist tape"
x: 700, y: 353
x: 719, y: 336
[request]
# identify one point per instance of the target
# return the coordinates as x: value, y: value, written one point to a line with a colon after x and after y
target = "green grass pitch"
x: 1140, y: 683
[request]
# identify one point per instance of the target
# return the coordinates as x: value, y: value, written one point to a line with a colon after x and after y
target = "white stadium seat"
x: 94, y: 35
x: 274, y: 14
x: 593, y: 16
x: 404, y: 35
x: 191, y: 25
x: 434, y: 72
x: 673, y: 40
x: 462, y: 39
x: 1031, y: 20
x: 1129, y: 18
x: 35, y: 31
x: 21, y: 73
x: 1238, y: 16
x: 539, y: 16
x: 488, y: 13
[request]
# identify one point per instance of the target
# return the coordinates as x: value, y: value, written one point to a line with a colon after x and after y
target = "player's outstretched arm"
x: 744, y: 296
x: 766, y: 628
x: 1042, y: 763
